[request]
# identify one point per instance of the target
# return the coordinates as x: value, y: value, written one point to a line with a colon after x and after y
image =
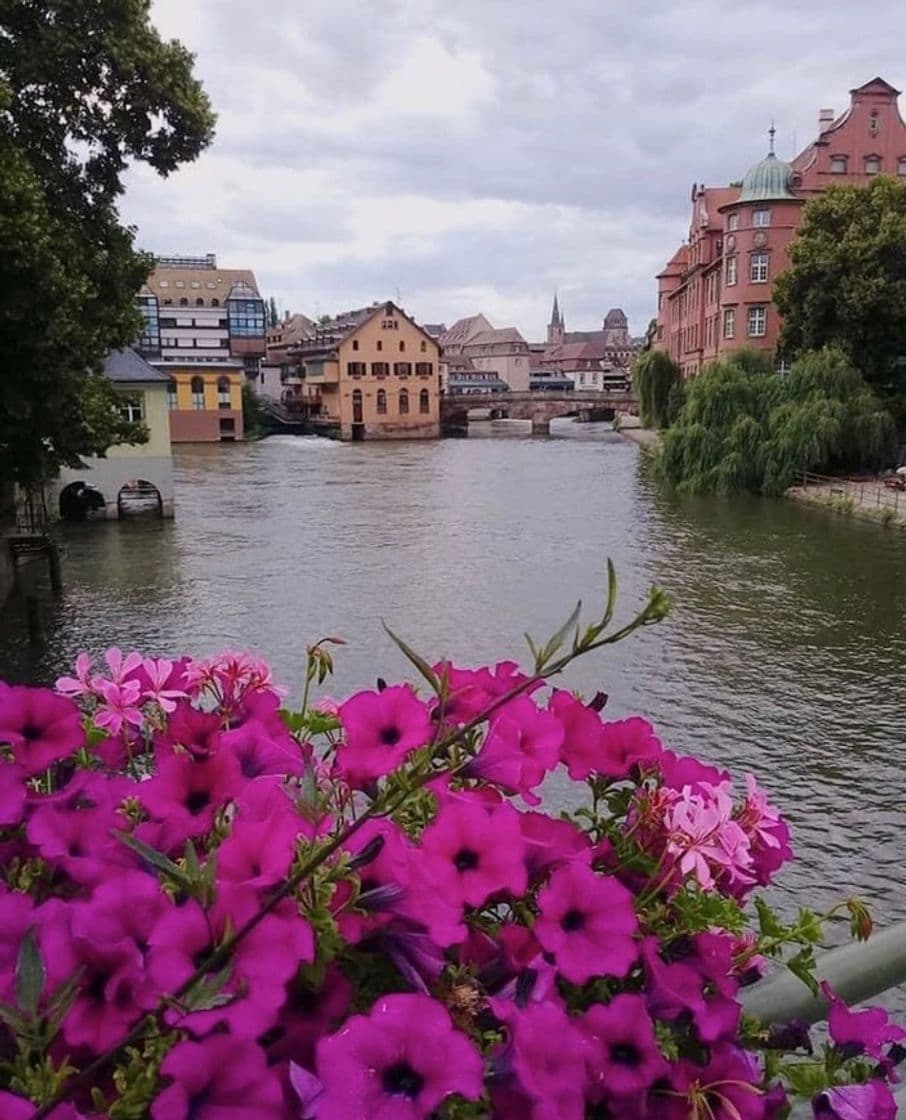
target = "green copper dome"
x: 766, y: 180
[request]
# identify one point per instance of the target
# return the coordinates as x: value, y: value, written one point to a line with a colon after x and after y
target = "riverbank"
x: 870, y: 501
x: 643, y: 437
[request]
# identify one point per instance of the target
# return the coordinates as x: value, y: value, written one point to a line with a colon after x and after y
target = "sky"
x: 477, y: 155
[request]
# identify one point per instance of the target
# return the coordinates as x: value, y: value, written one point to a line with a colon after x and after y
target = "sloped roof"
x: 464, y: 330
x: 128, y: 367
x: 495, y: 337
x: 223, y: 280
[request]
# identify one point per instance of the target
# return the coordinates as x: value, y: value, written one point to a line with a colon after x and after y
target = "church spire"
x: 556, y: 318
x: 556, y: 327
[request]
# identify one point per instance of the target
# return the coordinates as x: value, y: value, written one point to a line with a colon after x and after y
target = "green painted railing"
x: 856, y: 972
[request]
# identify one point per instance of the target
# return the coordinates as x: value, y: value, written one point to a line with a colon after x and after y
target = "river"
x: 784, y: 655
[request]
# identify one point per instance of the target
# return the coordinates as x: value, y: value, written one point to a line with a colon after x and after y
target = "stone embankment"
x: 869, y: 499
x: 629, y: 428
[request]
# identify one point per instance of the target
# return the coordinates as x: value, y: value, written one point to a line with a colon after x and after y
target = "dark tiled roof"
x: 128, y: 366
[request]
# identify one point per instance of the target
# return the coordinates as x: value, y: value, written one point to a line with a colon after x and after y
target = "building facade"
x: 714, y: 295
x: 595, y: 360
x: 373, y: 374
x: 204, y: 327
x: 127, y: 477
x: 502, y: 351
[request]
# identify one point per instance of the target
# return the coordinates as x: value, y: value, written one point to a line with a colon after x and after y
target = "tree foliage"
x: 655, y: 375
x: 84, y: 88
x: 846, y: 286
x: 273, y: 316
x: 744, y: 428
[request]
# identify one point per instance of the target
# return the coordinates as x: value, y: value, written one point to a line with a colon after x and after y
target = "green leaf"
x: 416, y: 659
x: 554, y: 646
x: 803, y: 966
x: 30, y: 975
x: 155, y: 858
x: 768, y: 922
x: 806, y: 1078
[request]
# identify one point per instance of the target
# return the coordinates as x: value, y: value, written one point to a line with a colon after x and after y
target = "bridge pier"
x: 540, y: 426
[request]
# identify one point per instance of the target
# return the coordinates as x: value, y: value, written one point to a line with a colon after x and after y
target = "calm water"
x: 785, y: 653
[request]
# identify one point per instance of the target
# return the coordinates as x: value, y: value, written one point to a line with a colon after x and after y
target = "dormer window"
x: 872, y: 165
x: 838, y: 165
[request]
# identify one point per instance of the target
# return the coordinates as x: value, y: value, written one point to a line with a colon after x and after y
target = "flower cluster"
x: 212, y: 907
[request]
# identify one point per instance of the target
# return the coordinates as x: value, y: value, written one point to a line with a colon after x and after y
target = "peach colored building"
x: 373, y: 374
x: 714, y: 295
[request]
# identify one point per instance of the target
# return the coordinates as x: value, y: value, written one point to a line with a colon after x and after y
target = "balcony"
x: 322, y: 373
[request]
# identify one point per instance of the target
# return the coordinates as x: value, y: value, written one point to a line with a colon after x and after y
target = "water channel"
x: 785, y: 654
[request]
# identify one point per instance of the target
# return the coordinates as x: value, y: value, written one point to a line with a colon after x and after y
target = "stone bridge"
x: 540, y: 407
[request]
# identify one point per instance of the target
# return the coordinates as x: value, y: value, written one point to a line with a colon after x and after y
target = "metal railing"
x: 868, y: 495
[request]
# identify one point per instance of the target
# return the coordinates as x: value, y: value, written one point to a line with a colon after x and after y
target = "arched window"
x: 183, y: 302
x: 424, y: 401
x: 357, y: 406
x: 402, y: 346
x: 382, y: 402
x: 197, y: 386
x: 380, y: 345
x: 404, y: 403
x: 215, y: 302
x: 199, y: 302
x: 223, y: 392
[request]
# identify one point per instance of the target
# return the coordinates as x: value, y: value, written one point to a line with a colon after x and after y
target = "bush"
x: 744, y: 428
x: 214, y: 907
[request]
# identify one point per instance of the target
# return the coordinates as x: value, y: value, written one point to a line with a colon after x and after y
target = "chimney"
x: 825, y: 120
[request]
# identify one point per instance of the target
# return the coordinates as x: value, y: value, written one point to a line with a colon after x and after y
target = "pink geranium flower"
x: 40, y: 726
x: 399, y: 1062
x: 80, y: 684
x: 119, y: 706
x: 472, y: 853
x: 220, y: 1078
x: 381, y: 729
x: 588, y: 922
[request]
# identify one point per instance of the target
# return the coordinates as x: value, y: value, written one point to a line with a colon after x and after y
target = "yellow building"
x: 205, y: 402
x: 129, y: 477
x: 373, y: 374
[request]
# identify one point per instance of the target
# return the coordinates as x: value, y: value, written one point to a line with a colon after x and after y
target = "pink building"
x: 714, y: 295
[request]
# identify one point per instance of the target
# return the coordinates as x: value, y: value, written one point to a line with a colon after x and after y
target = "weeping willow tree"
x: 743, y: 428
x: 655, y: 376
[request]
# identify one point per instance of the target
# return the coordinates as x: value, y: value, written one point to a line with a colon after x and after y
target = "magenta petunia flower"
x: 12, y: 793
x: 868, y: 1031
x: 470, y: 691
x: 588, y: 922
x: 16, y: 916
x: 871, y: 1101
x: 581, y: 747
x: 306, y: 1016
x: 195, y: 731
x: 185, y: 794
x: 220, y: 1078
x: 623, y: 1055
x: 550, y: 842
x: 691, y: 987
x: 727, y: 1088
x: 472, y: 853
x: 521, y: 746
x: 381, y: 728
x: 259, y: 853
x: 40, y: 726
x: 398, y: 1062
x: 18, y: 1108
x: 259, y: 750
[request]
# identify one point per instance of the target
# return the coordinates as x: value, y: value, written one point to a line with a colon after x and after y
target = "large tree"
x: 744, y: 428
x: 655, y: 376
x: 846, y: 286
x: 84, y: 89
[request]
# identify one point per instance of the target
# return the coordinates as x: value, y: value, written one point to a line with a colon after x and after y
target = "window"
x: 197, y: 393
x: 758, y: 322
x: 168, y: 303
x: 180, y: 283
x: 761, y: 217
x: 355, y: 344
x: 380, y: 344
x: 732, y: 266
x: 183, y: 302
x: 382, y: 402
x: 171, y: 395
x: 733, y: 221
x: 165, y: 283
x: 838, y: 165
x: 402, y: 346
x: 404, y: 403
x: 729, y: 322
x: 424, y: 369
x: 380, y: 369
x: 132, y: 410
x: 355, y: 369
x: 215, y: 302
x: 874, y: 123
x: 402, y: 369
x: 424, y: 346
x: 872, y: 165
x: 424, y: 401
x: 758, y: 268
x: 210, y: 284
x: 196, y: 283
x: 199, y: 302
x: 357, y: 416
x: 901, y: 165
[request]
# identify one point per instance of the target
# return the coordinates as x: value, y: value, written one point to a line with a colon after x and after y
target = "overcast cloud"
x: 476, y: 154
